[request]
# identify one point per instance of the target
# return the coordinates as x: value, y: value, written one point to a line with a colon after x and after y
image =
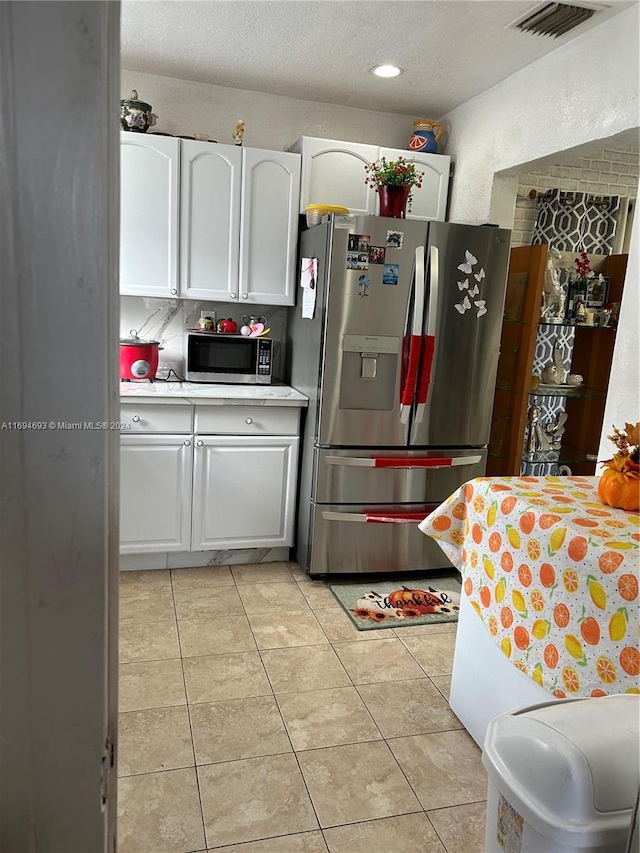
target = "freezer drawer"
x: 366, y: 539
x: 393, y: 476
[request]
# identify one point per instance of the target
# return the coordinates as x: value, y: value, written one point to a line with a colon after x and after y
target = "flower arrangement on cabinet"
x: 394, y: 173
x: 583, y: 275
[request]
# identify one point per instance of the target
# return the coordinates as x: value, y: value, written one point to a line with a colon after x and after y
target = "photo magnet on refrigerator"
x: 390, y: 273
x: 376, y: 254
x: 363, y: 285
x: 394, y: 239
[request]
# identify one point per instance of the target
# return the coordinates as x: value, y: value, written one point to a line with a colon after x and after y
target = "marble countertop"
x: 212, y: 394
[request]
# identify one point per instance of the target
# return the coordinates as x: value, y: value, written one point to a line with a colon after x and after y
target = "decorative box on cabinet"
x: 208, y: 221
x: 333, y: 173
x: 227, y: 481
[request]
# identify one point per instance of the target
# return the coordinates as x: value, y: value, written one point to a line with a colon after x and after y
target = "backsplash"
x: 166, y: 320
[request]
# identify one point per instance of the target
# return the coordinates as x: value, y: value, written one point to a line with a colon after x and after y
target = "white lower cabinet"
x: 155, y: 493
x: 203, y: 492
x: 243, y: 491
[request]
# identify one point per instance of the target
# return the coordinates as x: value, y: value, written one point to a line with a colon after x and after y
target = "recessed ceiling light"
x: 386, y: 71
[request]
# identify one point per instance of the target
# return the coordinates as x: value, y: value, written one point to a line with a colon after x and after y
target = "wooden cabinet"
x: 155, y: 493
x: 269, y: 227
x: 244, y: 491
x: 227, y: 482
x: 208, y: 221
x: 333, y: 173
x: 149, y: 205
x: 591, y: 356
x: 525, y: 279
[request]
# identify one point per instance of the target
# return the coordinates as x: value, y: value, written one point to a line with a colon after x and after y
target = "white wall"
x: 584, y: 91
x: 271, y: 121
x: 623, y: 397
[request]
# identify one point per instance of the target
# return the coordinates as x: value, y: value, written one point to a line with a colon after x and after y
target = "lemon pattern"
x: 575, y: 630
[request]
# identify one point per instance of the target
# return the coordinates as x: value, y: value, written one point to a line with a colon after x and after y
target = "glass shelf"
x: 570, y: 391
x: 576, y: 325
x: 571, y: 455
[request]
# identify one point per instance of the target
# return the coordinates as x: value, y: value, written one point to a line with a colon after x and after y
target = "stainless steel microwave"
x: 214, y: 357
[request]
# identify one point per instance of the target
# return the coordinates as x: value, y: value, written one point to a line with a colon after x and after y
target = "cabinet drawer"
x: 247, y: 420
x: 152, y: 417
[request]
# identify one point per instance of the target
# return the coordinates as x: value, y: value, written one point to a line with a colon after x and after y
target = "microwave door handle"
x: 409, y: 389
x: 429, y: 344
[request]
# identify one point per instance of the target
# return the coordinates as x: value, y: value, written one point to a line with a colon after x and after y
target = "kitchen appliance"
x: 399, y: 363
x: 138, y: 358
x: 213, y: 357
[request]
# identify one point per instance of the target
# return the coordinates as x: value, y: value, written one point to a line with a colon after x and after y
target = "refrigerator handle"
x: 429, y: 345
x: 378, y: 517
x: 409, y: 389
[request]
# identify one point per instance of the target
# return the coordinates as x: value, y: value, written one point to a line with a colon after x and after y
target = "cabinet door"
x: 430, y: 201
x: 333, y: 173
x: 244, y: 492
x: 210, y: 177
x: 269, y: 227
x: 149, y: 178
x: 155, y: 493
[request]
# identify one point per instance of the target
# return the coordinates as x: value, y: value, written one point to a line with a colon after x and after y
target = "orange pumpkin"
x: 419, y: 599
x: 620, y: 488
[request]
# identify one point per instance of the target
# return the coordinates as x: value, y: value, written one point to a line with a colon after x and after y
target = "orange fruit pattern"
x: 628, y: 587
x: 547, y: 575
x: 552, y: 575
x: 630, y: 660
x: 524, y: 575
x: 609, y: 562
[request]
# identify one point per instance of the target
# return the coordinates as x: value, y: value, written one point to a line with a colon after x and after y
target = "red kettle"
x: 138, y: 358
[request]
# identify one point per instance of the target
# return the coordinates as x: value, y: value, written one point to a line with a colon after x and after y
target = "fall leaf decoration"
x: 619, y: 485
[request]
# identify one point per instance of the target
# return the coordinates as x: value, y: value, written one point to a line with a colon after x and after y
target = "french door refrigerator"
x: 399, y: 363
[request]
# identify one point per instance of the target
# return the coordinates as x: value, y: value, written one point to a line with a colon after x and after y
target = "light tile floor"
x: 255, y: 718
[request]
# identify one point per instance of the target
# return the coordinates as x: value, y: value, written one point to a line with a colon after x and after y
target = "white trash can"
x: 563, y: 776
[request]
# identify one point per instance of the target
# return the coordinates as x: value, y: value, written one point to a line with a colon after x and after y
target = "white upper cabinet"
x: 206, y: 221
x: 209, y: 220
x: 333, y: 173
x: 430, y: 201
x: 268, y: 230
x: 149, y: 204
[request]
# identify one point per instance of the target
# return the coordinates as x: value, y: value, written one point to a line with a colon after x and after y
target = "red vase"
x: 393, y: 201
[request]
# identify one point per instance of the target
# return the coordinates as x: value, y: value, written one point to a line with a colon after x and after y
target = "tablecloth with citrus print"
x: 553, y: 574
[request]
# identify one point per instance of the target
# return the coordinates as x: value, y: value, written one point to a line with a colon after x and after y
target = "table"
x: 553, y: 575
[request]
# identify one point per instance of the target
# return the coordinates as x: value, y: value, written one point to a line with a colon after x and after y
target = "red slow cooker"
x: 138, y: 358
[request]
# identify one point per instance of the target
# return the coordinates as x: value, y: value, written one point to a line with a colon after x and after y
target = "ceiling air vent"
x: 553, y: 19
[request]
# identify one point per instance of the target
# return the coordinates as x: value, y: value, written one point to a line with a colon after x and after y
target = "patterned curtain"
x: 573, y: 221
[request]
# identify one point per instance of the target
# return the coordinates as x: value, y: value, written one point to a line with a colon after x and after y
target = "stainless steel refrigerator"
x: 399, y: 363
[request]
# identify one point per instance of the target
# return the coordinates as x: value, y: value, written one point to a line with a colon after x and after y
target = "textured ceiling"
x: 322, y: 50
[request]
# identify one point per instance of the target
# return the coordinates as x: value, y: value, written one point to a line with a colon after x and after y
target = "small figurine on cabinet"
x: 238, y: 133
x: 543, y: 438
x: 553, y: 372
x: 580, y: 310
x: 553, y: 293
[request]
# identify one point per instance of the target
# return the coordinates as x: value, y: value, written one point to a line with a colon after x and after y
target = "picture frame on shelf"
x: 597, y: 292
x: 576, y: 295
